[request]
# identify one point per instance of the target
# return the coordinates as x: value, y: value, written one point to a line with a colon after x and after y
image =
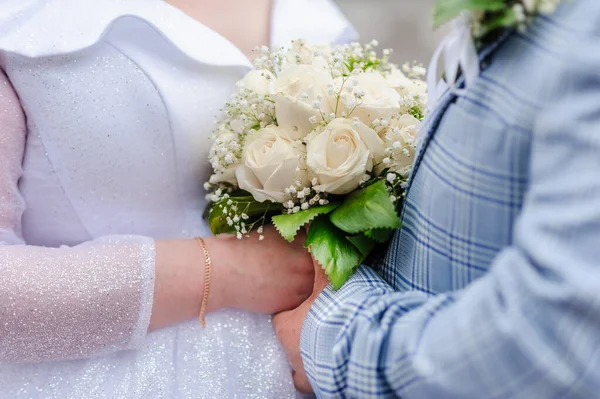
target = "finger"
x: 296, y: 363
x: 286, y: 334
x: 301, y: 382
x: 279, y: 320
x: 321, y: 279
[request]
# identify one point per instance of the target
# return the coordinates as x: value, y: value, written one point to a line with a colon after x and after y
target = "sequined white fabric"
x: 119, y: 98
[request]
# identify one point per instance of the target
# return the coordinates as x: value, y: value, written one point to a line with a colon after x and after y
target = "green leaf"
x: 504, y: 19
x: 416, y: 112
x: 366, y: 209
x: 379, y: 235
x: 329, y: 246
x: 446, y: 10
x: 248, y: 205
x: 288, y: 225
x: 363, y: 243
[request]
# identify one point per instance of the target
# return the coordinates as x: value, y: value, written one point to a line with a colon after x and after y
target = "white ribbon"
x: 459, y: 52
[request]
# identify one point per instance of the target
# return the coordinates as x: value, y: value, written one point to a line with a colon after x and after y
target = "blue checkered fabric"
x: 491, y: 289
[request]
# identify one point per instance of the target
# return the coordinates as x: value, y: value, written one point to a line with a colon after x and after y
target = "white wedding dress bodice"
x: 119, y: 98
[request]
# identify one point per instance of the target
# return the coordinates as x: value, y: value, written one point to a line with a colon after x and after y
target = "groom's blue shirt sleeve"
x: 530, y: 328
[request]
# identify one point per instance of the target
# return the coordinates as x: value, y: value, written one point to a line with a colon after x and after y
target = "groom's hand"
x: 288, y: 326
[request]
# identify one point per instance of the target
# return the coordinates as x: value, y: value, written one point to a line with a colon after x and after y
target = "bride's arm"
x: 58, y: 303
x: 103, y: 296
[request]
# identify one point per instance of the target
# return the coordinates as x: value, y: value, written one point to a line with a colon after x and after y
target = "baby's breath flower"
x: 419, y: 71
x: 519, y: 12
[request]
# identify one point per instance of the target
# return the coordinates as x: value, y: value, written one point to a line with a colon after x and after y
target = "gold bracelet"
x: 207, y: 267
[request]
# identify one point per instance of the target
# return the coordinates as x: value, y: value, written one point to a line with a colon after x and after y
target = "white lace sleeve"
x: 63, y: 303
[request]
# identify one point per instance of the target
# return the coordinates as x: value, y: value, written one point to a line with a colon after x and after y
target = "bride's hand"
x: 267, y: 276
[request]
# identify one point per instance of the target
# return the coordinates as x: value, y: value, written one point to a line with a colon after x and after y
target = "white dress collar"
x: 38, y: 28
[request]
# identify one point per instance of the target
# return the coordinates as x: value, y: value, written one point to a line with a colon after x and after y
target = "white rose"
x: 372, y: 98
x: 299, y: 89
x: 259, y: 81
x: 405, y: 86
x: 271, y: 162
x: 341, y: 154
x: 401, y: 137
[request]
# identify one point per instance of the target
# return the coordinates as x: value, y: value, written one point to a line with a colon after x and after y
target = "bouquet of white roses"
x: 323, y: 135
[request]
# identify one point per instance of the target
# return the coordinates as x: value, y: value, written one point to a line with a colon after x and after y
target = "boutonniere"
x: 491, y: 16
x: 474, y: 23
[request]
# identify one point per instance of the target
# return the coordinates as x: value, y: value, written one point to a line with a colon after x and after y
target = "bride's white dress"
x: 119, y: 97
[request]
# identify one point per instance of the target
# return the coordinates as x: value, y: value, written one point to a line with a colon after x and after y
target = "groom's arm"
x: 530, y: 328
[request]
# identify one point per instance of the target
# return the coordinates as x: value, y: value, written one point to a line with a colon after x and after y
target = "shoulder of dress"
x: 39, y: 28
